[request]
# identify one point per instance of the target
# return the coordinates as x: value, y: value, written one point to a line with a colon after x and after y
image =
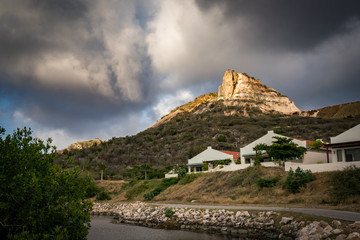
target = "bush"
x: 205, y: 166
x: 169, y: 212
x: 39, y: 200
x: 238, y: 161
x: 165, y: 183
x: 189, y: 178
x: 299, y: 178
x: 345, y: 184
x: 221, y: 138
x: 267, y: 182
x: 135, y: 191
x: 103, y: 196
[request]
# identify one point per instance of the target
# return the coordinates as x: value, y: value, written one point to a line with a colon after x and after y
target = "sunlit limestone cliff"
x: 239, y: 86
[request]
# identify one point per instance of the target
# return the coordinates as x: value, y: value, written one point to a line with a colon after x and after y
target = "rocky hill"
x: 82, y: 145
x: 240, y: 92
x: 242, y: 111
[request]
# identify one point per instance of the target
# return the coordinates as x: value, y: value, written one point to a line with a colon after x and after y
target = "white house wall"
x: 312, y: 157
x: 351, y: 135
x: 267, y: 139
x: 325, y: 167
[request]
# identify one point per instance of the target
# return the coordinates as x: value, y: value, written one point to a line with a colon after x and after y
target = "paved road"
x: 342, y: 215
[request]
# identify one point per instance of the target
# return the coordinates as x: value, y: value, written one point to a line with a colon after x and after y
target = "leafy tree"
x: 258, y: 152
x: 102, y: 167
x: 39, y: 200
x: 316, y: 145
x: 145, y: 167
x: 284, y: 149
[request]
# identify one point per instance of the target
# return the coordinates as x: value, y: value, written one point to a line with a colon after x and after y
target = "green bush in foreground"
x: 345, y: 183
x: 299, y: 178
x: 39, y: 200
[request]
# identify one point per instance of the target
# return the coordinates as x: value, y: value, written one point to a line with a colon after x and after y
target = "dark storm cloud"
x: 67, y: 64
x: 293, y: 25
x: 81, y: 69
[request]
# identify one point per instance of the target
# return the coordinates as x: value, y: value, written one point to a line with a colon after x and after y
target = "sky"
x: 75, y: 70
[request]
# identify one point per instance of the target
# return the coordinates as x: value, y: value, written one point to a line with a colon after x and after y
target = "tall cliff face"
x: 239, y: 86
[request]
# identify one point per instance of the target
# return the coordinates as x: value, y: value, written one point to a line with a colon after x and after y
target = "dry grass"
x: 239, y: 187
x: 233, y: 188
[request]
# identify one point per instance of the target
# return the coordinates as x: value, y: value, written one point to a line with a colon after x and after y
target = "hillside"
x: 240, y: 187
x: 240, y: 113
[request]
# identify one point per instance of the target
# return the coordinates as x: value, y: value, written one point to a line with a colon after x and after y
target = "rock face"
x: 239, y: 86
x: 82, y: 145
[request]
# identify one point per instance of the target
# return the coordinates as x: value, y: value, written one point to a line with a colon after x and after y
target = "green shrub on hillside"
x: 267, y: 182
x: 345, y: 184
x: 299, y: 178
x: 189, y: 178
x: 165, y: 183
x: 169, y: 212
x: 103, y: 196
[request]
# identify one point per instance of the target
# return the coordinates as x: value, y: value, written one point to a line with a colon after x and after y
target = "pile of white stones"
x: 241, y: 224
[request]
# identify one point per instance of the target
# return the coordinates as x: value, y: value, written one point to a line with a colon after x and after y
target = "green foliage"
x: 39, y: 200
x: 316, y: 145
x: 165, y: 183
x: 221, y: 162
x: 284, y: 149
x: 346, y: 184
x: 257, y: 162
x: 169, y: 212
x: 180, y: 170
x: 145, y: 171
x: 91, y: 188
x: 205, y: 166
x: 189, y: 178
x: 267, y: 182
x: 103, y: 196
x: 299, y: 178
x: 221, y: 138
x: 135, y: 191
x: 238, y: 161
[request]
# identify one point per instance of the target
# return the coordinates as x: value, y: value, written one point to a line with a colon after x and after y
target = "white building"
x: 346, y: 146
x: 209, y: 155
x: 248, y: 152
x: 344, y: 152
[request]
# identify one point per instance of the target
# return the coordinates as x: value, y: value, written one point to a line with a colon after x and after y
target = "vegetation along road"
x: 342, y: 215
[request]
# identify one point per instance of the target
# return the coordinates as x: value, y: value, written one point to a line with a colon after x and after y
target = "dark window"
x: 198, y: 169
x: 352, y: 155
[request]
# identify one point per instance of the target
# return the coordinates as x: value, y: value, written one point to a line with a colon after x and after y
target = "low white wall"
x: 312, y: 157
x: 170, y: 175
x: 322, y: 167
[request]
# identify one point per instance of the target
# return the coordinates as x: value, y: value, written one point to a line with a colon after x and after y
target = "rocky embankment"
x: 240, y: 224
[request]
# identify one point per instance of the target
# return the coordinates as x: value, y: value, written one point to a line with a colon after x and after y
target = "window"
x: 339, y: 155
x: 198, y: 169
x: 352, y: 155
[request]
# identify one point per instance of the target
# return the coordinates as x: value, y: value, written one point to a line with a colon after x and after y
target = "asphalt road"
x: 336, y: 214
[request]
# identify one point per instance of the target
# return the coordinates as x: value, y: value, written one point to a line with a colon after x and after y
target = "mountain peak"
x: 240, y: 86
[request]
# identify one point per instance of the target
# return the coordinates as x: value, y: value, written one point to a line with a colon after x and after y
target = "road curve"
x: 336, y: 214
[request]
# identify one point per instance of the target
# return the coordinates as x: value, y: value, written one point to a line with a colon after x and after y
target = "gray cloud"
x: 82, y: 69
x: 295, y: 25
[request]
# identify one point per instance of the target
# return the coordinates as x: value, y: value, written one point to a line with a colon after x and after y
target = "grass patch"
x: 346, y: 184
x: 189, y: 178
